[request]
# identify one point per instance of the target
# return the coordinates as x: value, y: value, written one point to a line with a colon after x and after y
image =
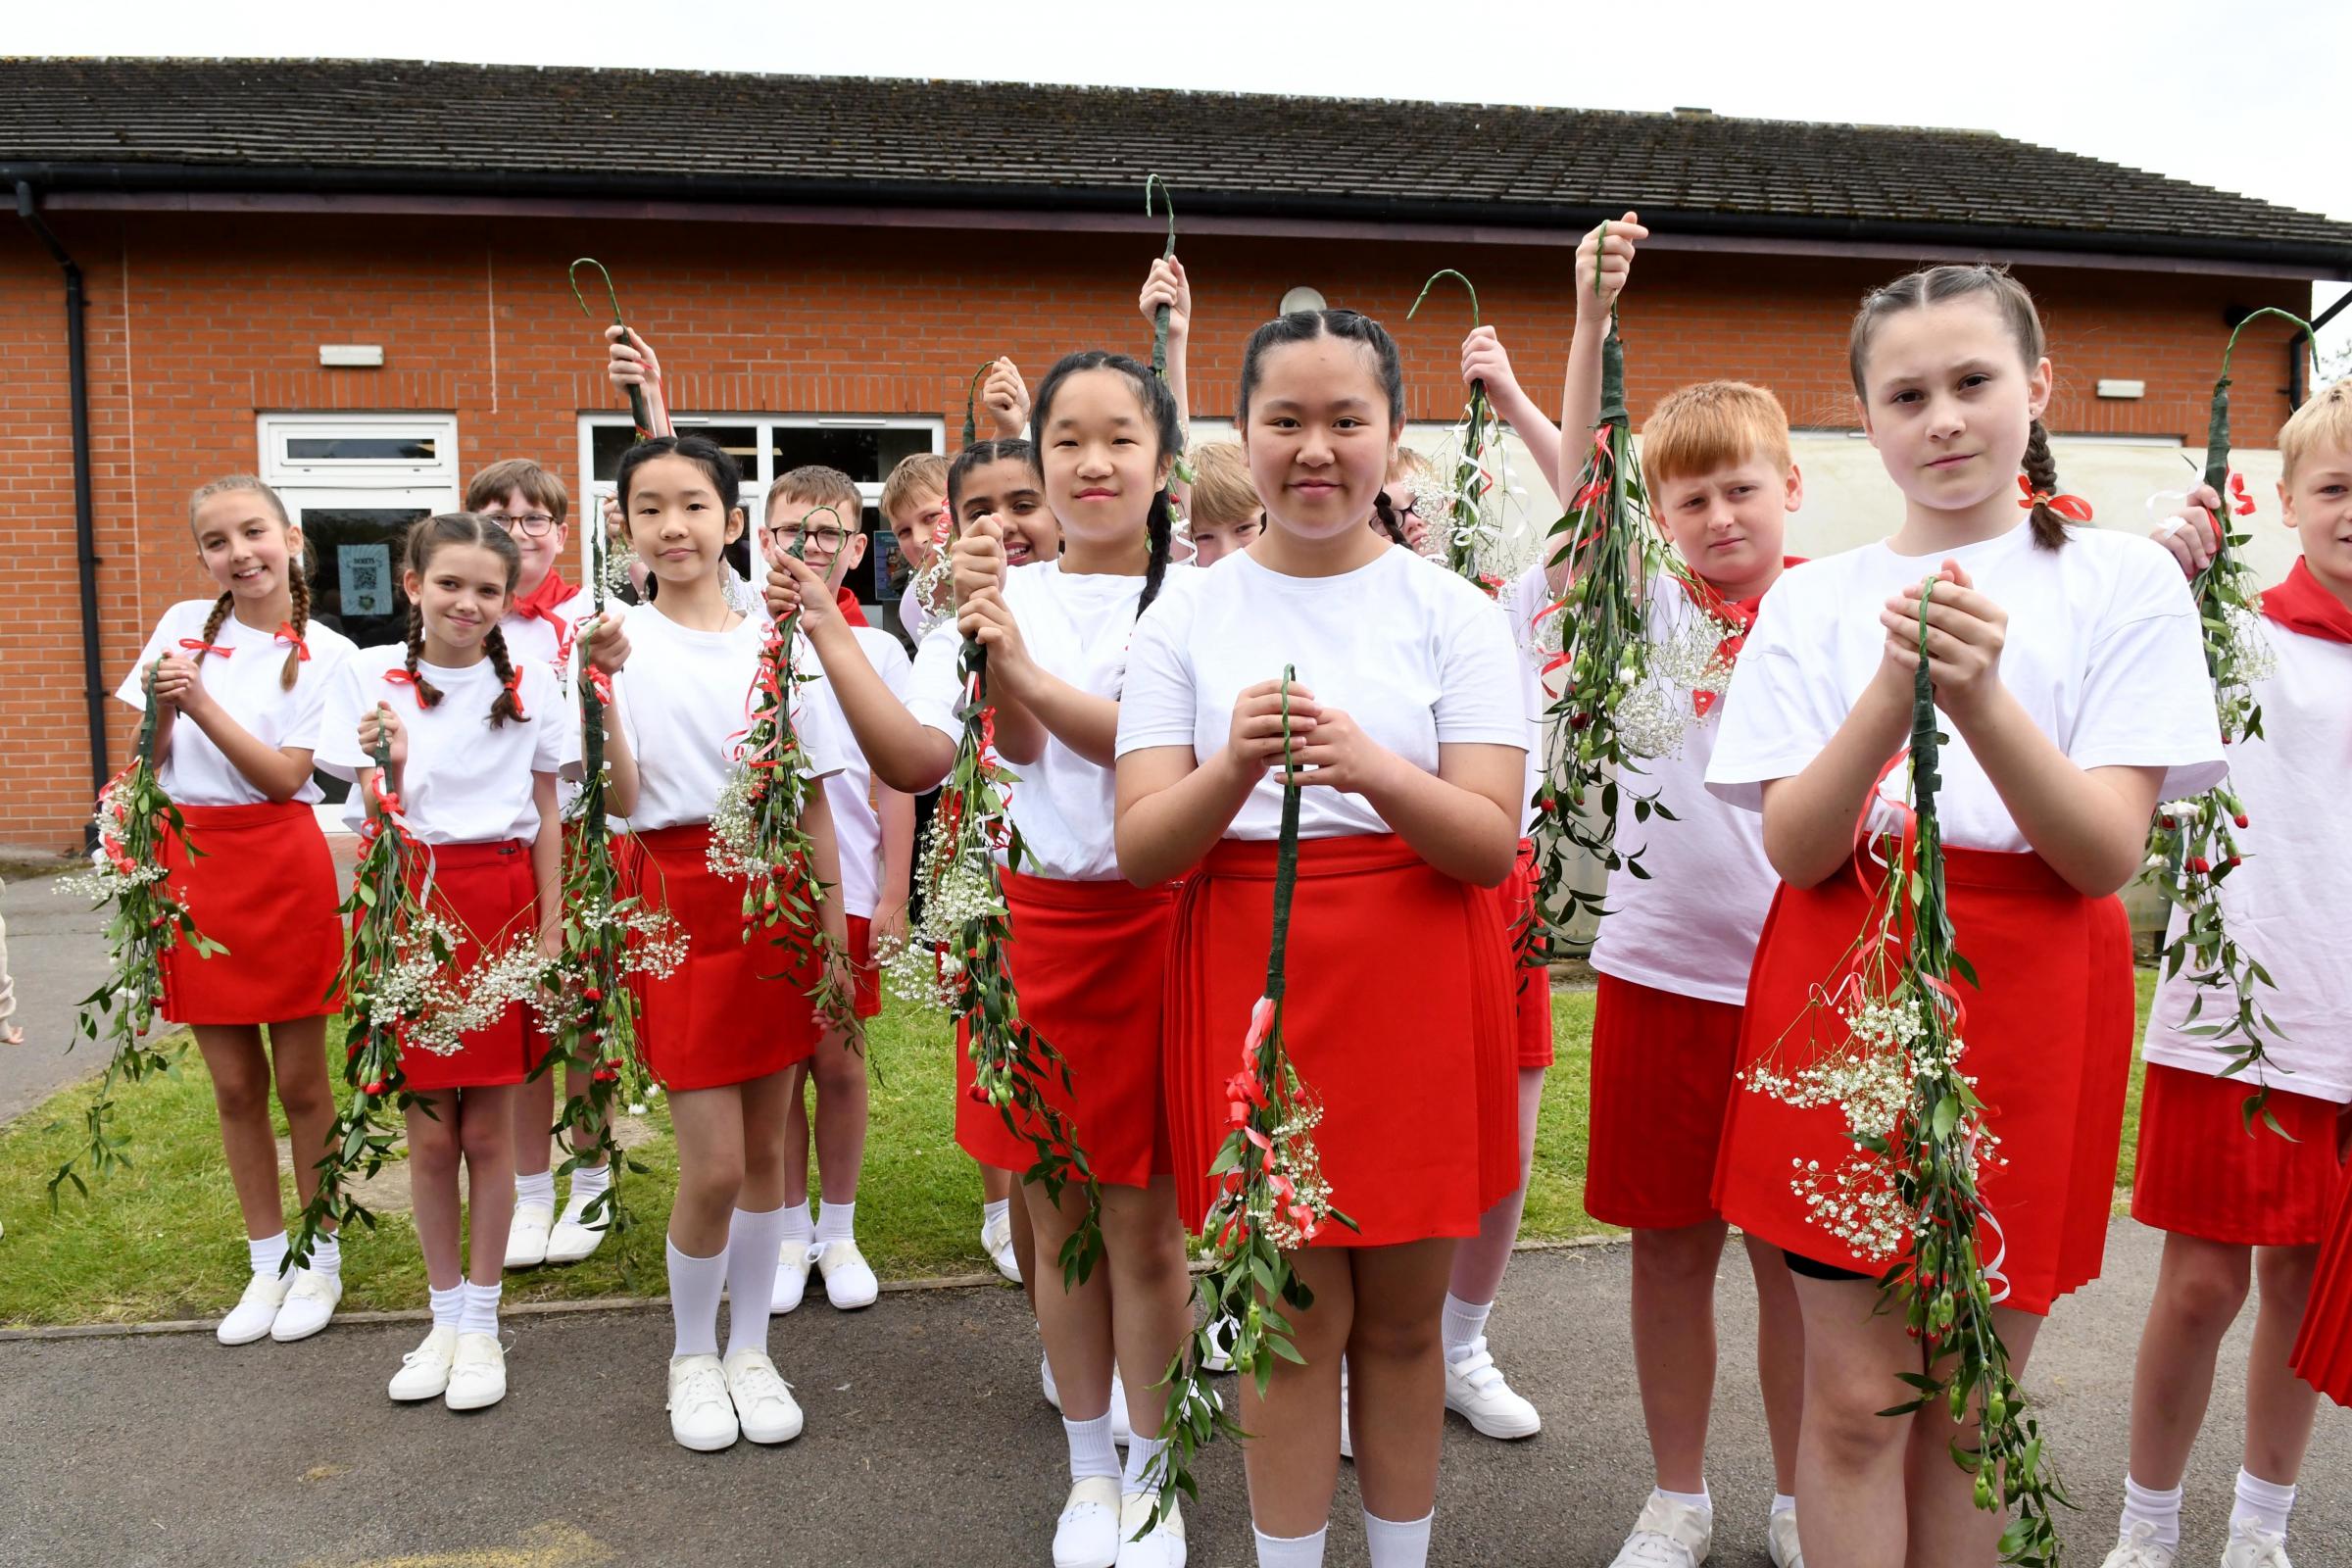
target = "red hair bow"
x: 515, y: 685
x: 293, y: 639
x: 2074, y: 508
x: 199, y: 647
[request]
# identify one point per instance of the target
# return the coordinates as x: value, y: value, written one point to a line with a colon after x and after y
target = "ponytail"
x: 2041, y: 469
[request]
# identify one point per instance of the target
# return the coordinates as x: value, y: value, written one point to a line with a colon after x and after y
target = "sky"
x: 2248, y: 98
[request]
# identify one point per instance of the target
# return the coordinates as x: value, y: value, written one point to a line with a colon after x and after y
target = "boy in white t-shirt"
x: 914, y: 501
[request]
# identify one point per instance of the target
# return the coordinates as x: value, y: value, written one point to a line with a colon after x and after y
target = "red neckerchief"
x: 1738, y: 615
x: 851, y: 611
x: 2300, y: 604
x: 540, y: 604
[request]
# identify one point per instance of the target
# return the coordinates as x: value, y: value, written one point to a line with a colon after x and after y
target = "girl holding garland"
x: 242, y: 681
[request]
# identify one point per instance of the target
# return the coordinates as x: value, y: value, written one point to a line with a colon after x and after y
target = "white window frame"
x: 275, y: 432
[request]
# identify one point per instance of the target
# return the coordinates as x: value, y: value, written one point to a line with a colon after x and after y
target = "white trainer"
x: 1779, y: 1541
x: 1221, y: 1335
x: 1087, y: 1534
x: 1162, y: 1545
x: 1476, y: 1392
x: 791, y: 1277
x: 1668, y: 1534
x: 1044, y: 1380
x: 2140, y: 1548
x: 996, y: 1240
x: 574, y: 1239
x: 702, y: 1415
x: 764, y: 1407
x: 307, y: 1305
x: 424, y: 1371
x: 2252, y: 1547
x: 850, y: 1284
x: 478, y: 1378
x: 527, y: 1236
x: 255, y: 1309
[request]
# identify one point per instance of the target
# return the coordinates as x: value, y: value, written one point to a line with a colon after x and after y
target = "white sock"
x: 477, y: 1312
x: 536, y: 1188
x: 590, y: 1181
x: 2262, y: 1505
x: 2147, y: 1505
x: 1290, y: 1551
x: 327, y: 1255
x: 1398, y: 1545
x: 267, y: 1253
x: 1091, y: 1450
x: 446, y: 1306
x: 694, y: 1286
x: 753, y: 1242
x: 1462, y: 1324
x: 835, y: 1222
x: 1699, y: 1499
x: 798, y: 1229
x: 1141, y: 1453
x: 1781, y: 1503
x: 989, y: 1213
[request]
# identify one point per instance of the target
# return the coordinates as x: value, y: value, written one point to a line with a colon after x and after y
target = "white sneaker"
x: 255, y: 1309
x: 573, y: 1239
x: 1779, y: 1541
x: 1347, y: 1438
x: 2142, y: 1550
x: 848, y: 1283
x: 764, y: 1407
x: 1044, y: 1378
x: 424, y: 1371
x: 702, y: 1415
x: 1475, y: 1391
x: 1668, y: 1534
x: 307, y: 1305
x: 478, y: 1378
x: 791, y: 1277
x: 996, y: 1240
x: 2252, y: 1547
x: 1220, y: 1346
x: 1163, y: 1546
x: 1087, y: 1535
x: 527, y: 1236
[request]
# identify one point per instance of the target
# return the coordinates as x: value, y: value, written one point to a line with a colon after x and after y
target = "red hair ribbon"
x: 514, y: 686
x: 293, y: 639
x: 199, y: 647
x: 2074, y: 508
x: 602, y: 683
x: 396, y: 677
x: 2239, y: 502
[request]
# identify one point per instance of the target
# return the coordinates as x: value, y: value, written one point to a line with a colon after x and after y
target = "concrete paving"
x: 57, y: 958
x: 927, y: 1444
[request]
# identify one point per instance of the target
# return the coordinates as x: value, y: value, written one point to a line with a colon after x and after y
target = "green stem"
x: 1159, y: 317
x: 638, y: 411
x: 1286, y: 855
x: 972, y: 402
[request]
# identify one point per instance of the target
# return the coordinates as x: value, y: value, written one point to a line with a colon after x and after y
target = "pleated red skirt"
x: 2200, y: 1172
x: 1662, y: 1068
x: 1396, y: 1014
x: 731, y: 1011
x: 263, y: 885
x: 1530, y: 981
x: 868, y: 973
x: 489, y: 891
x: 2048, y: 1045
x: 2322, y: 1353
x: 1090, y: 962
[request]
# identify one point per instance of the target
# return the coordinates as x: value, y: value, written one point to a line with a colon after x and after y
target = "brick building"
x: 823, y: 262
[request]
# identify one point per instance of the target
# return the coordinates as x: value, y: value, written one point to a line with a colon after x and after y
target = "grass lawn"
x: 161, y: 1240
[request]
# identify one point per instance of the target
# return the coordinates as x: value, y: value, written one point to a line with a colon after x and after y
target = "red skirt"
x: 1396, y: 1015
x: 1662, y: 1068
x: 262, y: 884
x: 731, y: 1012
x: 2202, y: 1173
x: 490, y: 892
x: 2050, y: 1047
x: 1090, y: 962
x: 2322, y: 1353
x: 868, y: 973
x: 1532, y: 981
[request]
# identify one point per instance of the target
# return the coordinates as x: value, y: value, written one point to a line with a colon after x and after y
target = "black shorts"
x: 1814, y: 1270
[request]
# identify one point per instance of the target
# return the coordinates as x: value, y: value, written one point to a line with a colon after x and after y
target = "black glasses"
x: 532, y: 524
x: 824, y: 536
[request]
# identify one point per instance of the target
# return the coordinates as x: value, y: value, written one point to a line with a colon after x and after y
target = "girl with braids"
x: 242, y: 681
x: 474, y: 742
x: 1408, y: 727
x: 2067, y: 674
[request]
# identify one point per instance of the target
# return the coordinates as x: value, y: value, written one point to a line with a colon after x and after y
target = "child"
x: 242, y: 680
x: 532, y: 505
x: 1397, y: 510
x: 476, y: 741
x: 818, y: 510
x: 1411, y: 737
x: 2235, y: 1199
x: 727, y: 1033
x: 2068, y: 672
x: 1224, y: 512
x: 914, y: 504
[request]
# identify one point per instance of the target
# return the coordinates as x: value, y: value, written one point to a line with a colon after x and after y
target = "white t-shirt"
x: 855, y: 822
x: 1523, y: 601
x: 195, y: 772
x: 1418, y: 659
x: 1690, y: 927
x: 2285, y: 903
x: 466, y: 781
x: 2102, y: 653
x: 683, y: 700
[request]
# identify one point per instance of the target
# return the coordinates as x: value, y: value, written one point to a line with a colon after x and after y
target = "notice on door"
x: 365, y: 571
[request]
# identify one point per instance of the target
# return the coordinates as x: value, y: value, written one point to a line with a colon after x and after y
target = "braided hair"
x: 298, y: 585
x: 1159, y: 410
x: 1385, y: 519
x: 1933, y: 285
x: 298, y: 592
x: 427, y: 536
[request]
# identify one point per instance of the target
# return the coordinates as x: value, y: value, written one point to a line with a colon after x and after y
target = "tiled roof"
x: 346, y: 125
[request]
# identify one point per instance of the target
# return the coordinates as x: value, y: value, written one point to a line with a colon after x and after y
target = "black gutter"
x: 85, y: 529
x: 2322, y: 258
x: 2296, y: 389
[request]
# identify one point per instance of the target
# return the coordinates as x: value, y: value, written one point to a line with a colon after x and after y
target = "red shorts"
x: 2322, y: 1353
x: 1412, y: 1062
x: 1089, y: 961
x: 2049, y: 1048
x: 869, y: 974
x: 1530, y: 981
x: 731, y: 1012
x: 2200, y: 1172
x: 489, y: 891
x: 262, y: 884
x: 1661, y: 1077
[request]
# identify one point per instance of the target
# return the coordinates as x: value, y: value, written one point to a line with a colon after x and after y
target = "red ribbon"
x: 200, y: 648
x: 515, y: 685
x: 293, y: 639
x: 851, y: 611
x: 400, y: 678
x: 2074, y: 508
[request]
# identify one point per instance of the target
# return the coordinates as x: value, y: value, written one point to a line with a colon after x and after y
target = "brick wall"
x: 199, y: 322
